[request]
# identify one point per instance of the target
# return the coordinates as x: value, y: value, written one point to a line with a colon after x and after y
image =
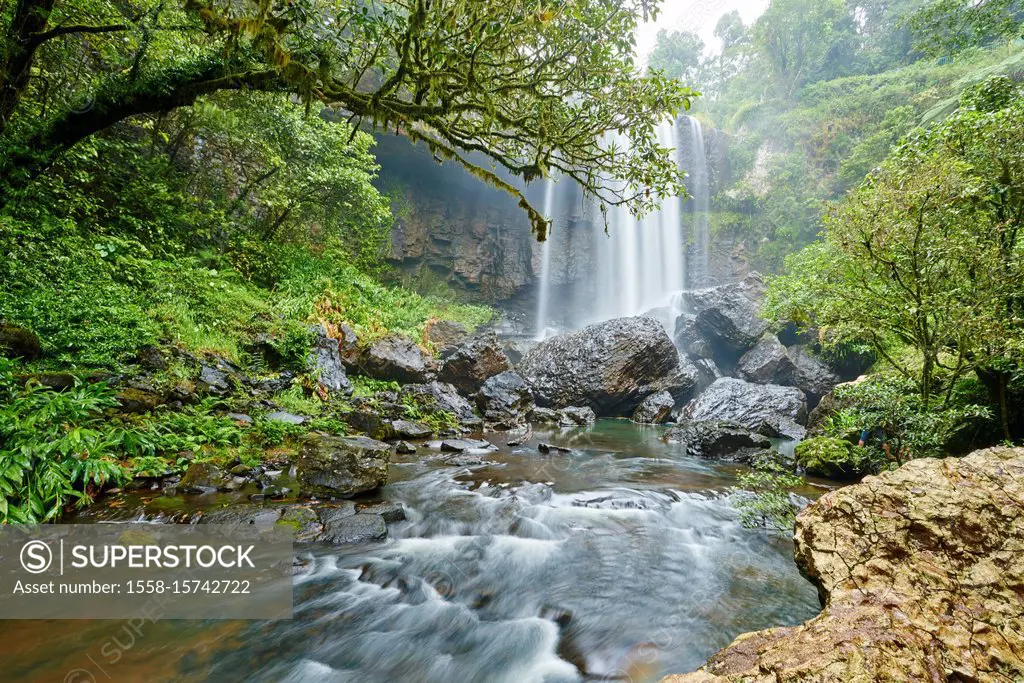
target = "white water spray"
x: 545, y: 261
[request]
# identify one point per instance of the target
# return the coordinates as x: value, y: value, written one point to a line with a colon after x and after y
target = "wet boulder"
x: 811, y: 375
x: 505, y: 399
x: 341, y: 467
x: 201, y: 477
x: 473, y: 362
x: 324, y: 363
x: 768, y: 409
x: 576, y: 416
x: 728, y: 317
x: 610, y: 367
x: 767, y: 363
x: 19, y: 342
x: 357, y: 528
x: 718, y: 439
x: 655, y: 409
x: 397, y: 358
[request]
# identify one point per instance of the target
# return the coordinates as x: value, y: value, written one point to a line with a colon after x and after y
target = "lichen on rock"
x: 921, y: 571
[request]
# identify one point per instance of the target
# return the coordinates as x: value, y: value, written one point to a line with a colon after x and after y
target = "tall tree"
x: 678, y: 54
x: 804, y: 41
x: 537, y: 86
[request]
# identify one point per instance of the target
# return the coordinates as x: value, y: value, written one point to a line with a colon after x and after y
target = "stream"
x: 620, y: 561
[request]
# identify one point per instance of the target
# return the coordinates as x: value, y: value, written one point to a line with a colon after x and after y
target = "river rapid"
x: 619, y: 561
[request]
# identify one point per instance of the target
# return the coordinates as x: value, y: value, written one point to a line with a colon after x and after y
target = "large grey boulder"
x: 445, y: 335
x: 505, y: 399
x: 655, y: 409
x: 473, y: 362
x: 718, y: 439
x: 768, y: 409
x: 324, y: 363
x: 341, y: 467
x: 812, y: 376
x: 397, y: 358
x: 728, y: 317
x: 610, y: 367
x: 767, y: 363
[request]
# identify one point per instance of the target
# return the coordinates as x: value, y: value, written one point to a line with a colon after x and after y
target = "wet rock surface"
x: 764, y: 408
x: 397, y: 358
x: 505, y: 400
x: 719, y: 439
x: 325, y: 363
x: 655, y: 409
x: 610, y: 367
x: 921, y: 573
x: 728, y: 318
x: 341, y: 467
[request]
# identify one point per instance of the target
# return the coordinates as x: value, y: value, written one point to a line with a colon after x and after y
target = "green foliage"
x: 536, y: 88
x: 913, y: 428
x: 55, y: 448
x: 678, y: 54
x: 927, y: 253
x: 364, y: 387
x: 763, y: 497
x: 834, y: 458
x: 948, y: 26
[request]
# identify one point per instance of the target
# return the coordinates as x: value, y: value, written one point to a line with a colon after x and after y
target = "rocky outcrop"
x: 769, y: 362
x: 505, y: 400
x: 611, y: 367
x: 445, y: 335
x: 718, y: 439
x: 473, y: 362
x: 921, y: 571
x: 655, y: 409
x: 768, y: 409
x: 341, y: 467
x: 19, y: 342
x: 324, y: 363
x: 728, y: 317
x: 576, y: 416
x: 397, y: 358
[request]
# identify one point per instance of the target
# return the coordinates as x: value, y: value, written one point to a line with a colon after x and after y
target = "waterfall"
x: 632, y: 267
x: 698, y: 185
x: 544, y: 295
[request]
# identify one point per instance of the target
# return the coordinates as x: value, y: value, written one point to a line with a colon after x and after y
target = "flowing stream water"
x: 620, y: 561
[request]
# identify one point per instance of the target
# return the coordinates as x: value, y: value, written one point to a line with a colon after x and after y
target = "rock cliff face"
x: 921, y: 572
x: 451, y: 227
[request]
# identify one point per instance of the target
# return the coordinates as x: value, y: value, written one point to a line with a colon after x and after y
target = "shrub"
x: 763, y: 497
x: 834, y: 458
x: 55, y: 447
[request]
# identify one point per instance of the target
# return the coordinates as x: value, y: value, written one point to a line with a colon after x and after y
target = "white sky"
x: 696, y: 15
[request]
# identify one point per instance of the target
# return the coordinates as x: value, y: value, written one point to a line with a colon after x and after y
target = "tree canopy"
x: 538, y: 88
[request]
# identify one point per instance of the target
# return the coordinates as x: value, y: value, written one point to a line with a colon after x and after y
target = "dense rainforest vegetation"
x: 882, y: 143
x: 199, y: 175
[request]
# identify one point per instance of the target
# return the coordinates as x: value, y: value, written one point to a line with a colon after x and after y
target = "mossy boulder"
x: 831, y: 458
x: 341, y: 467
x: 18, y: 342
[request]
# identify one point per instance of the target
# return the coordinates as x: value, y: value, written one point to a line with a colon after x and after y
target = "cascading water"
x: 545, y: 261
x: 698, y: 185
x: 639, y: 264
x: 632, y: 267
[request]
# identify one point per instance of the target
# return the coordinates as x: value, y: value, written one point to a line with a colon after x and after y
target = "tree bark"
x: 34, y: 156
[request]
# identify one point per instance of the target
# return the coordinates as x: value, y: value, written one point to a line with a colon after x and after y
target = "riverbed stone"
x: 341, y: 467
x: 437, y: 397
x: 718, y: 439
x: 358, y: 528
x: 920, y: 571
x: 201, y: 477
x: 610, y: 367
x: 577, y: 416
x: 655, y: 409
